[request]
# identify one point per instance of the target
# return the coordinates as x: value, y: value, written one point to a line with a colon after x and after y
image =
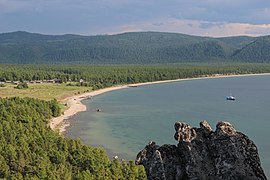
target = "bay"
x: 132, y: 117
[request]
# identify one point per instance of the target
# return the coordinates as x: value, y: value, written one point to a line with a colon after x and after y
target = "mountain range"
x: 130, y: 48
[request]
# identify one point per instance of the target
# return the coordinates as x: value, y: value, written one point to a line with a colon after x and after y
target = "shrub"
x: 22, y: 86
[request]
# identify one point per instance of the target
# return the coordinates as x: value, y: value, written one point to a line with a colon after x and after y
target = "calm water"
x: 131, y: 117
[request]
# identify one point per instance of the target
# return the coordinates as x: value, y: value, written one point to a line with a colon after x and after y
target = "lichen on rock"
x: 184, y: 132
x: 202, y: 153
x: 225, y: 128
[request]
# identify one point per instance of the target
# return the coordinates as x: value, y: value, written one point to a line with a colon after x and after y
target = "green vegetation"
x: 130, y: 48
x: 30, y: 150
x: 95, y: 77
x: 22, y: 86
x: 257, y: 51
x: 43, y: 91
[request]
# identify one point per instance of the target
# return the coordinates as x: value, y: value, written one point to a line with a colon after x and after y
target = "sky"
x: 215, y: 18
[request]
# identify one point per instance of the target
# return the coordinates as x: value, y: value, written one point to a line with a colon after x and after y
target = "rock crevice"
x: 202, y: 153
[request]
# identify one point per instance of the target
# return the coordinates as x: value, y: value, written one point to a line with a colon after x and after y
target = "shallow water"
x: 131, y: 117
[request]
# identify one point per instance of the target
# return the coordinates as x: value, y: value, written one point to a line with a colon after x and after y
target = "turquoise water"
x: 131, y: 117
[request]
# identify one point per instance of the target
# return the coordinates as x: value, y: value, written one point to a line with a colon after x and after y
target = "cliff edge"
x: 202, y: 153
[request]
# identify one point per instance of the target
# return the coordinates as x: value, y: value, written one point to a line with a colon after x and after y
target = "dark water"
x: 130, y: 118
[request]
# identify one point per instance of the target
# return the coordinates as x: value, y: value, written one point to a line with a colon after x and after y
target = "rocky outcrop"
x: 202, y: 153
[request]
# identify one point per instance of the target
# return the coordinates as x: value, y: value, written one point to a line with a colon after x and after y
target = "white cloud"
x: 199, y: 17
x: 196, y: 27
x: 257, y: 30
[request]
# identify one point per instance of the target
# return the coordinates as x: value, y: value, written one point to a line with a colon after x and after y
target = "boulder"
x: 202, y: 153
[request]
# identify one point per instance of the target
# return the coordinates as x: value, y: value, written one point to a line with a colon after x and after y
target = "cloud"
x: 157, y: 24
x: 208, y: 17
x: 208, y: 25
x: 257, y: 30
x: 196, y: 27
x: 233, y: 11
x: 242, y: 11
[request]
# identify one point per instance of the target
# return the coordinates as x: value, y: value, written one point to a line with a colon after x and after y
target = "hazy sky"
x: 92, y: 17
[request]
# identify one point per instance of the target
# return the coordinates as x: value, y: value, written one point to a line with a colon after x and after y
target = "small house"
x: 16, y: 82
x: 58, y: 81
x: 50, y: 81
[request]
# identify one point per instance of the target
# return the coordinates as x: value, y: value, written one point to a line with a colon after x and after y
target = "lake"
x: 132, y: 117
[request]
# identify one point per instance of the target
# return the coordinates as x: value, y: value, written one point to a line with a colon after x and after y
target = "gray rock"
x: 150, y: 156
x: 225, y: 128
x: 161, y: 162
x: 206, y: 127
x: 203, y: 154
x: 184, y: 132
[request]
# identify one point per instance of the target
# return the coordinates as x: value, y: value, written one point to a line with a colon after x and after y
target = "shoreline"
x: 75, y: 105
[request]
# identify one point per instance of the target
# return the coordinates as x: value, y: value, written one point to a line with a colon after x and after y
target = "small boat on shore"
x: 89, y: 97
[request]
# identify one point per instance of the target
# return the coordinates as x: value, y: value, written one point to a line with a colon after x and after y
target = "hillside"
x: 130, y: 48
x: 258, y: 50
x: 31, y: 150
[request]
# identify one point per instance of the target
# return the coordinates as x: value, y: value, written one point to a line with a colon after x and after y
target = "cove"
x: 132, y: 117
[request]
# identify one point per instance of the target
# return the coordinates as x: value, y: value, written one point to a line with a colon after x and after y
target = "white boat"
x: 230, y: 98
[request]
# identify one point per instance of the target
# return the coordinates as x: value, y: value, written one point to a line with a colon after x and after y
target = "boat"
x: 89, y: 97
x: 230, y: 98
x: 133, y: 86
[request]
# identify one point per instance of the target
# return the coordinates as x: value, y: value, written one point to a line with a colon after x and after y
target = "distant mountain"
x: 258, y: 51
x: 130, y: 48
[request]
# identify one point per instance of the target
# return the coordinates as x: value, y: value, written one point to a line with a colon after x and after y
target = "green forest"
x: 101, y: 76
x: 30, y: 150
x: 130, y: 48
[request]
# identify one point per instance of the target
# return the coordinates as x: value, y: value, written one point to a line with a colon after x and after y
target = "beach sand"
x: 74, y: 102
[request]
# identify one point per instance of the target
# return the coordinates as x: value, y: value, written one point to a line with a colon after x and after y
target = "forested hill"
x: 30, y: 150
x: 130, y: 48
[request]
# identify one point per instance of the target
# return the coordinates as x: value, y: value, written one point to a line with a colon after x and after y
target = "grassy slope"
x: 43, y: 91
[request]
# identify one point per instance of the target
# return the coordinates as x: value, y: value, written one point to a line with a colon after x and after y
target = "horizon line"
x: 121, y: 33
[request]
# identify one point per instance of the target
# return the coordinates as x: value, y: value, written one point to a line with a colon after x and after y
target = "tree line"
x: 29, y: 149
x: 100, y: 76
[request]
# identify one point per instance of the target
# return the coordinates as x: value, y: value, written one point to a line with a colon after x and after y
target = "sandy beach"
x: 74, y: 102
